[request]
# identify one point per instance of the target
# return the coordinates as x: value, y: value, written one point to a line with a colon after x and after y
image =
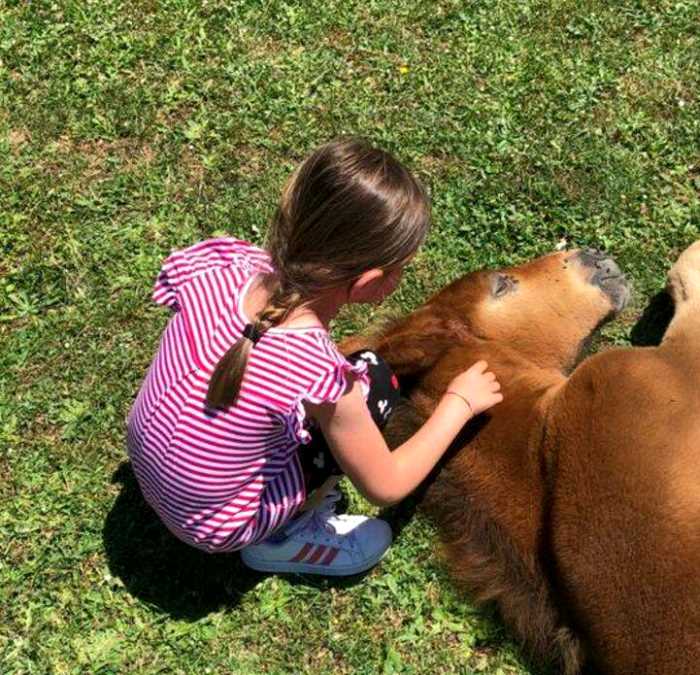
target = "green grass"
x: 131, y: 128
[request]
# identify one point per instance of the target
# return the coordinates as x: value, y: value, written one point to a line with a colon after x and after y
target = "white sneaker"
x: 320, y: 542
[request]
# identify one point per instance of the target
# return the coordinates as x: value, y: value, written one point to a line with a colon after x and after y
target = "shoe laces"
x: 327, y: 505
x: 321, y: 514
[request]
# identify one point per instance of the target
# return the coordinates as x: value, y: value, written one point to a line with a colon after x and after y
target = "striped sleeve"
x: 328, y: 388
x: 182, y: 266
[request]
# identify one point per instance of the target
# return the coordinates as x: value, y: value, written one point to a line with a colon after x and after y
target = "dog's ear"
x: 410, y: 345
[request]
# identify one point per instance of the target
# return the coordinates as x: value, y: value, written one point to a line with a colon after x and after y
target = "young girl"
x: 247, y: 394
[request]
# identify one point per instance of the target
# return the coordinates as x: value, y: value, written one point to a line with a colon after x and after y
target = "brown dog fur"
x: 573, y: 504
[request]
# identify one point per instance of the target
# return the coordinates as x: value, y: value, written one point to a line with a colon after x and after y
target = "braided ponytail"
x: 281, y: 303
x: 225, y: 383
x: 346, y: 209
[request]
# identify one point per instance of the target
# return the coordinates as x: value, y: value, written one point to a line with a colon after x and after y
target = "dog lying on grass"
x: 575, y: 504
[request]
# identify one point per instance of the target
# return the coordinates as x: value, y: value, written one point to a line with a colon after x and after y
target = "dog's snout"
x: 602, y: 265
x: 606, y: 274
x: 592, y: 257
x: 608, y: 268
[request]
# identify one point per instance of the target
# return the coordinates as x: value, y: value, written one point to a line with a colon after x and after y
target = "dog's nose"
x: 601, y: 263
x: 606, y: 274
x: 592, y: 257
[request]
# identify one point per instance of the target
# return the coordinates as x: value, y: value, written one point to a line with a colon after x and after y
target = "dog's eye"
x: 501, y: 284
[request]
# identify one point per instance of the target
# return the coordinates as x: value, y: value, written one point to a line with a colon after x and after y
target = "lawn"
x: 130, y: 128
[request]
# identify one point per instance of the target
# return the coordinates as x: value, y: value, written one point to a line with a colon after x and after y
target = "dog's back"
x: 624, y: 513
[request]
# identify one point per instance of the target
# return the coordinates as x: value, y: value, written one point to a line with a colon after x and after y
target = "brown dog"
x: 574, y: 504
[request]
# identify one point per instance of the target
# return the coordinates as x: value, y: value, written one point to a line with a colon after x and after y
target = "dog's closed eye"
x: 502, y: 284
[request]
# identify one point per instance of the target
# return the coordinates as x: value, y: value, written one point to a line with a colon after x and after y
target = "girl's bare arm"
x: 385, y: 477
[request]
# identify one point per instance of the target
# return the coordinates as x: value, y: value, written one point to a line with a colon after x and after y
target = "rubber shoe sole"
x: 283, y: 566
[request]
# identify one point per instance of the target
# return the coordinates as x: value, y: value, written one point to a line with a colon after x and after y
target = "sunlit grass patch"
x: 128, y: 129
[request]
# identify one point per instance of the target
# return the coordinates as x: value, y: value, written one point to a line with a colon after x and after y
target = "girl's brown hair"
x: 346, y: 209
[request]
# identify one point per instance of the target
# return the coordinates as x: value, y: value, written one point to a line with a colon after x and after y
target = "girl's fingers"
x: 490, y: 377
x: 495, y: 386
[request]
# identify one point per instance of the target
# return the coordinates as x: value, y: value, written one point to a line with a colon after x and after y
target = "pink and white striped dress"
x: 222, y: 479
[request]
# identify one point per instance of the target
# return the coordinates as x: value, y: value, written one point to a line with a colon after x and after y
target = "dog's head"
x: 544, y: 309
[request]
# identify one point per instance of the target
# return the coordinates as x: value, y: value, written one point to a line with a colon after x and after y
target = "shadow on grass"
x: 158, y: 568
x: 651, y: 326
x: 175, y: 578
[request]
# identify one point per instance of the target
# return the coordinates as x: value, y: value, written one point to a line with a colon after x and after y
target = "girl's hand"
x: 478, y: 387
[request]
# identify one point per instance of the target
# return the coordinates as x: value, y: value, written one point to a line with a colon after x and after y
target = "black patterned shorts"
x: 317, y: 461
